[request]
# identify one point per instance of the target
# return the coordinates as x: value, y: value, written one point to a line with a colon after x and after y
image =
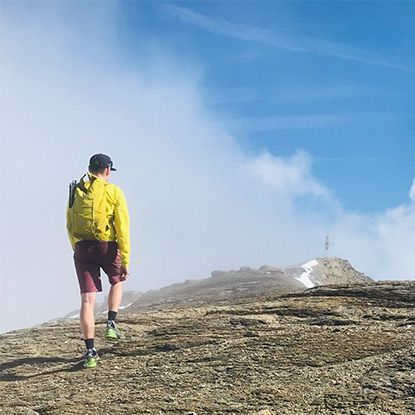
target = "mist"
x: 197, y: 202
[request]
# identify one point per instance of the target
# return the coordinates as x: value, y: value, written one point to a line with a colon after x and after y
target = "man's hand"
x: 124, y: 273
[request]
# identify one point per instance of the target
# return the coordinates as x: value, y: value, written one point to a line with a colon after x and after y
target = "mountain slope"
x: 246, y: 282
x: 345, y: 350
x: 222, y: 285
x: 128, y: 298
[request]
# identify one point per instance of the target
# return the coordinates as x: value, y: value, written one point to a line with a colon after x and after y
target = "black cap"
x: 100, y: 161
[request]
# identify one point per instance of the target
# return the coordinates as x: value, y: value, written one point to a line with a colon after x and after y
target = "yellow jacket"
x: 113, y: 213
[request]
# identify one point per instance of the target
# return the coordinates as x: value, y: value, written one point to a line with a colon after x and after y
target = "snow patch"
x: 305, y: 276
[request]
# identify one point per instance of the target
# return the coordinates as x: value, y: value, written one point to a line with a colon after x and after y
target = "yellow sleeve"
x: 68, y: 227
x: 122, y: 227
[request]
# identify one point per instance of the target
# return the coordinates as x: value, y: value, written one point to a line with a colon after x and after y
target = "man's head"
x: 101, y: 165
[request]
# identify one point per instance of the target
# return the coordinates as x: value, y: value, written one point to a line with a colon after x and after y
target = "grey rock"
x: 263, y: 354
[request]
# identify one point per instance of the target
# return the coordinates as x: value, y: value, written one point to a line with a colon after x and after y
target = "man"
x: 98, y: 229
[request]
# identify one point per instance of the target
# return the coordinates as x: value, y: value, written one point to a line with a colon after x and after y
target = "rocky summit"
x: 345, y: 349
x: 248, y: 282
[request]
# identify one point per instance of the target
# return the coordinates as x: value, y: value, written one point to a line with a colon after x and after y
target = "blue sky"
x: 340, y: 74
x: 243, y: 134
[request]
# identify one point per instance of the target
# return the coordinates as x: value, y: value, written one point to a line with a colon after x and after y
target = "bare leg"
x: 87, y: 315
x: 115, y: 297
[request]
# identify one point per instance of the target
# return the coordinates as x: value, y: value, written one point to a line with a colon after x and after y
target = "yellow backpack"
x: 88, y: 218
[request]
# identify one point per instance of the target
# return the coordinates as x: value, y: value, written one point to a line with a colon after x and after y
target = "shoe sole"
x: 112, y: 336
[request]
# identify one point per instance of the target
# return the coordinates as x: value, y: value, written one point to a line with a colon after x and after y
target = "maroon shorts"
x: 90, y: 257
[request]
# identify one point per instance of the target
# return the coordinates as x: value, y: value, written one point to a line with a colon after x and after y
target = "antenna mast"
x: 326, y: 246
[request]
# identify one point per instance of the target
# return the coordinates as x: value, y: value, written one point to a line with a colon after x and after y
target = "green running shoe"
x: 90, y: 358
x: 112, y: 332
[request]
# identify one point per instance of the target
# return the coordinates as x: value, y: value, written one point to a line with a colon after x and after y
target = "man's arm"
x: 122, y: 228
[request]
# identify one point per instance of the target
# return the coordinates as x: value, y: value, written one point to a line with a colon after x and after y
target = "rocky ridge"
x: 248, y: 282
x: 326, y: 271
x: 346, y: 349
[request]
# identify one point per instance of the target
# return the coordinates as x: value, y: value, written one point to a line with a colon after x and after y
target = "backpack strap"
x: 72, y: 187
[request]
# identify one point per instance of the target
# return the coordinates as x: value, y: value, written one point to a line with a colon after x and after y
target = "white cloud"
x: 197, y: 201
x: 291, y: 176
x: 295, y: 122
x: 412, y: 192
x: 299, y: 44
x: 296, y: 92
x: 396, y: 231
